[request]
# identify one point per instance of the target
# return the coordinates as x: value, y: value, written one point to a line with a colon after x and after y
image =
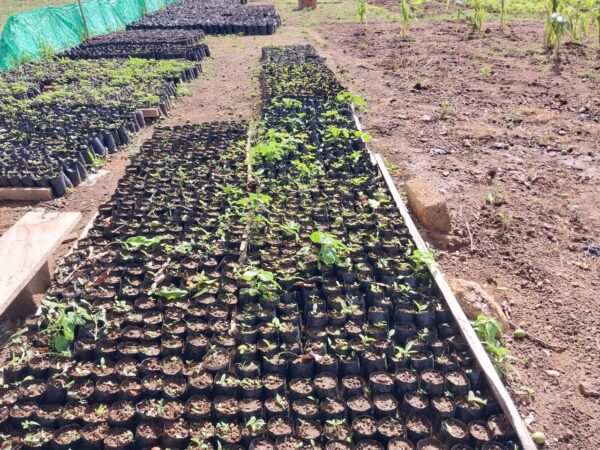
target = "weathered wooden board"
x: 151, y: 113
x: 26, y: 247
x: 26, y: 194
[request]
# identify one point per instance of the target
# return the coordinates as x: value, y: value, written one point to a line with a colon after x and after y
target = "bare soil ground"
x: 509, y: 124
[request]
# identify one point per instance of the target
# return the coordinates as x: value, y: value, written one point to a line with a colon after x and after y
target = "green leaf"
x: 171, y: 294
x: 60, y: 343
x: 137, y: 242
x: 328, y: 255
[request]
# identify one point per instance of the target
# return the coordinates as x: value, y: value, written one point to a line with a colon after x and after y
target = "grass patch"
x: 330, y: 11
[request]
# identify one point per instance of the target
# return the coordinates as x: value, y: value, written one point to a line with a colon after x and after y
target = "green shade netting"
x: 33, y: 34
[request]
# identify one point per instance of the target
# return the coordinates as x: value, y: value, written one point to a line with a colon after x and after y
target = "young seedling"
x: 143, y: 243
x: 503, y: 13
x: 488, y: 329
x: 596, y: 16
x: 405, y: 352
x: 171, y: 293
x: 472, y: 398
x: 447, y: 110
x: 255, y: 425
x: 497, y: 196
x: 558, y: 25
x: 331, y: 250
x: 422, y: 259
x: 262, y: 282
x: 406, y: 17
x: 476, y: 19
x: 361, y: 12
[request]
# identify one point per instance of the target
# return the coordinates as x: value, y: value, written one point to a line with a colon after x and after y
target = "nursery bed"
x: 150, y: 44
x: 284, y: 114
x: 214, y: 17
x: 255, y: 296
x: 128, y: 252
x: 61, y: 117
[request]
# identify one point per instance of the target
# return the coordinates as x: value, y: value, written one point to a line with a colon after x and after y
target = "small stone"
x: 426, y: 118
x: 500, y: 145
x: 438, y: 150
x: 538, y: 437
x: 474, y: 300
x: 445, y: 173
x: 553, y: 373
x: 589, y: 390
x: 529, y: 419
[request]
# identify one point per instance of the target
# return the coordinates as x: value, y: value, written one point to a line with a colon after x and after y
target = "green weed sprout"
x: 406, y: 17
x: 361, y: 12
x: 559, y: 25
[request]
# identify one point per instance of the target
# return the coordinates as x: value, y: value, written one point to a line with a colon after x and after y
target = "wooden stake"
x: 85, y: 25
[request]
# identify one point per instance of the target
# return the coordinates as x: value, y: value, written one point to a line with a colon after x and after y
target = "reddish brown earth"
x: 527, y: 132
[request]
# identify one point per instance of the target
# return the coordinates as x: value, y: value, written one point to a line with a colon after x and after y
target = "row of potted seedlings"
x: 282, y: 308
x: 290, y: 54
x: 336, y: 300
x: 64, y: 115
x: 133, y: 345
x: 149, y: 44
x: 214, y: 17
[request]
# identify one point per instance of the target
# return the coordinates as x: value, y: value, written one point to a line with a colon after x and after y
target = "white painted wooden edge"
x: 493, y: 379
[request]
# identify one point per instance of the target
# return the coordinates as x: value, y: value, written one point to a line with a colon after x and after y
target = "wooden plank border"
x: 493, y: 379
x: 29, y: 244
x: 21, y: 194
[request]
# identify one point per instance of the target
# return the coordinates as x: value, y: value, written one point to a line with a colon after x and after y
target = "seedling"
x: 447, y: 110
x: 331, y: 249
x: 406, y: 17
x: 143, y: 243
x: 503, y: 13
x: 405, y: 352
x: 366, y: 340
x: 29, y: 424
x: 361, y: 12
x: 262, y: 282
x: 472, y: 398
x: 476, y: 19
x: 64, y: 320
x: 558, y: 26
x: 497, y: 196
x: 422, y: 259
x: 171, y: 293
x: 421, y: 307
x: 485, y: 72
x: 487, y: 330
x: 255, y: 425
x: 346, y: 97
